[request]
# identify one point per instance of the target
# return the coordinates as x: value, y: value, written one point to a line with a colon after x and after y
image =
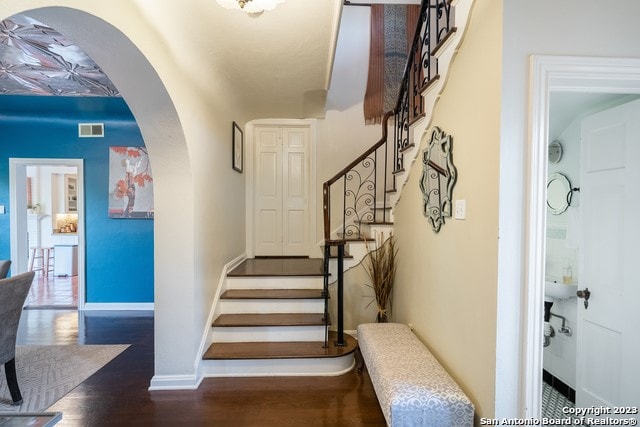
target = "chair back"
x: 13, y: 293
x: 4, y: 267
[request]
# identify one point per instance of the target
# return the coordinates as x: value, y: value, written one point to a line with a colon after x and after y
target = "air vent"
x: 91, y: 130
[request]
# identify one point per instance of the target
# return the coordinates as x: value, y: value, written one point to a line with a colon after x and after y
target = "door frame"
x: 18, y: 223
x: 312, y: 250
x: 553, y: 74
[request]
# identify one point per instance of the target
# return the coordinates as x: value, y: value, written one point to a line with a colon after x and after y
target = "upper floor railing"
x: 357, y: 195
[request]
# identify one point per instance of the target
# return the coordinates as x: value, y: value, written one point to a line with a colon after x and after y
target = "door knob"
x: 584, y: 293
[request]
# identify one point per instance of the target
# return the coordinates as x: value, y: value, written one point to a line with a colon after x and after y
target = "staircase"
x: 272, y: 322
x: 272, y: 316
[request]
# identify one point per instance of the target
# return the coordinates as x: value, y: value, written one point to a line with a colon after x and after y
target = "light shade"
x: 250, y: 6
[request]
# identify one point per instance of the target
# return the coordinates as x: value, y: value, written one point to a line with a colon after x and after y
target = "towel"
x: 573, y: 227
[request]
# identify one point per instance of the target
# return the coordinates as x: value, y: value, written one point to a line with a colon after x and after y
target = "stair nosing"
x: 276, y: 290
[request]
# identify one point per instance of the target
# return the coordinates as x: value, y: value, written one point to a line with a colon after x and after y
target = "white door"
x: 281, y: 190
x: 608, y: 336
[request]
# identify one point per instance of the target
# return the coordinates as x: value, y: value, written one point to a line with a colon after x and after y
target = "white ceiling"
x: 565, y: 107
x: 278, y: 62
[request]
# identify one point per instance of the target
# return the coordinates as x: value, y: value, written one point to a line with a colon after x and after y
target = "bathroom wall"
x: 562, y: 249
x: 560, y: 356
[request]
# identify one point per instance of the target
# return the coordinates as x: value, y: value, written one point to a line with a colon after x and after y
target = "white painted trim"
x: 313, y: 188
x: 312, y: 367
x: 124, y: 306
x: 553, y: 74
x: 334, y: 43
x: 16, y: 254
x: 205, y: 341
x: 174, y: 382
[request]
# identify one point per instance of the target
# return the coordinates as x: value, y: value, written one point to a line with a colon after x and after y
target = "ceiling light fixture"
x: 250, y: 6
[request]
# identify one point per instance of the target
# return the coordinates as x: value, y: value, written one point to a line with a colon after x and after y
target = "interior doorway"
x: 47, y: 229
x: 551, y: 75
x: 281, y: 188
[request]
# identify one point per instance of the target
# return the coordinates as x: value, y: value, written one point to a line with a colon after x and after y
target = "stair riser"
x: 278, y: 367
x: 288, y: 282
x: 272, y: 306
x: 268, y: 333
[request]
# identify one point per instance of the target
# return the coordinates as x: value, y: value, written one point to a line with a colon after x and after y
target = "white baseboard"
x: 118, y: 306
x: 205, y: 340
x: 174, y: 382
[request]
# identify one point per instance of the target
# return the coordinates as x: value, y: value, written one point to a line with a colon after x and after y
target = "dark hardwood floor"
x: 118, y: 393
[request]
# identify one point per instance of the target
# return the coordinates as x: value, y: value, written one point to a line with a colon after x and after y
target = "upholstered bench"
x: 412, y: 387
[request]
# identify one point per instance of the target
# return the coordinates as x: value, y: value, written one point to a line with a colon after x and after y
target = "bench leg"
x: 360, y: 366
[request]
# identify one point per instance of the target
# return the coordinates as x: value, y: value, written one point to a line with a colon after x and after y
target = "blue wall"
x: 119, y: 252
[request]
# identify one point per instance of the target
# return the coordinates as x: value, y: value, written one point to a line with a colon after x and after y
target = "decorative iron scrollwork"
x: 438, y: 178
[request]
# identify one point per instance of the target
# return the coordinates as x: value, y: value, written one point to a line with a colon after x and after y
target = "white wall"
x: 342, y: 134
x: 570, y: 27
x: 446, y: 282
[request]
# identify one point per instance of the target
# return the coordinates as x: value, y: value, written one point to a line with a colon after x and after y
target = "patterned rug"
x: 46, y: 373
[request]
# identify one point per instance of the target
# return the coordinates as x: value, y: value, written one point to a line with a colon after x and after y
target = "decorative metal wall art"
x: 438, y: 178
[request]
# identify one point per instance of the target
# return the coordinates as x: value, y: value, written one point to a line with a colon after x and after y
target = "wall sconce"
x: 250, y: 6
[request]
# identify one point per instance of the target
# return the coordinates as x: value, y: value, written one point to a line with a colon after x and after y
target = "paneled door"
x: 281, y: 189
x: 608, y: 336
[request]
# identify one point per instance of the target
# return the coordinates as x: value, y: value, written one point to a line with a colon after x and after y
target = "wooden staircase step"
x: 407, y: 148
x: 272, y: 294
x: 376, y: 223
x: 271, y: 319
x: 280, y: 350
x: 258, y: 267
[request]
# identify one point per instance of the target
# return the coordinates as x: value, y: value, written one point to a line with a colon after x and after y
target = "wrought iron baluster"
x: 375, y: 183
x: 325, y: 293
x: 344, y: 211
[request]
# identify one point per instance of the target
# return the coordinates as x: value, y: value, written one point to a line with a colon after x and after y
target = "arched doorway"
x: 147, y: 97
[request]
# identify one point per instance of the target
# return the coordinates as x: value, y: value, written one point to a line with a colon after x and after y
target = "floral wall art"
x: 130, y: 183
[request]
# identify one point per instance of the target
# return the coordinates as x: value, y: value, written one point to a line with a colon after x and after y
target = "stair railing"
x: 360, y: 188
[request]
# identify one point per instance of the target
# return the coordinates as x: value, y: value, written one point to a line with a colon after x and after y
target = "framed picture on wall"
x: 238, y: 148
x: 130, y: 183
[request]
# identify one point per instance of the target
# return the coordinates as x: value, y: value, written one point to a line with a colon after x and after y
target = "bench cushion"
x: 412, y: 387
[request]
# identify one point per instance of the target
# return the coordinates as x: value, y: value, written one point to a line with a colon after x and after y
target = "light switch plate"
x: 2, y: 210
x: 460, y: 209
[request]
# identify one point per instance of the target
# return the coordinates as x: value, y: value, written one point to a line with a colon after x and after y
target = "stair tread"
x: 280, y: 350
x: 270, y: 319
x: 376, y: 222
x: 272, y: 294
x: 262, y: 267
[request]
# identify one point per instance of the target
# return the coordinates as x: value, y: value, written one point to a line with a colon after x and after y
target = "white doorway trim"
x: 18, y: 224
x: 249, y: 180
x: 554, y: 74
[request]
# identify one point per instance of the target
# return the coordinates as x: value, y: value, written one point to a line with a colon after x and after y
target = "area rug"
x: 47, y: 372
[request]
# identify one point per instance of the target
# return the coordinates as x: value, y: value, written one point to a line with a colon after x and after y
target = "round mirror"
x: 558, y: 189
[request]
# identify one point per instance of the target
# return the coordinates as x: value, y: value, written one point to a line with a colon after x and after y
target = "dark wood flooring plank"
x: 118, y: 393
